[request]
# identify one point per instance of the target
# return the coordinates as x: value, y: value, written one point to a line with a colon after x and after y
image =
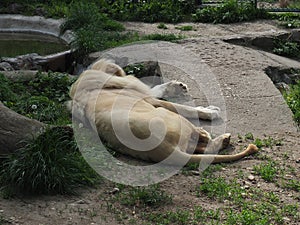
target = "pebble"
x: 251, y: 178
x: 115, y: 190
x: 298, y: 160
x: 82, y: 201
x: 195, y: 172
x: 286, y: 219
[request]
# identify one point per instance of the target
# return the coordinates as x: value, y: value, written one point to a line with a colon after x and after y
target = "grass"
x: 220, y: 189
x: 185, y: 28
x: 267, y: 142
x: 151, y: 196
x: 41, y: 98
x: 231, y: 11
x: 163, y: 37
x: 162, y: 26
x: 293, y: 100
x: 50, y: 164
x: 287, y: 20
x: 268, y: 171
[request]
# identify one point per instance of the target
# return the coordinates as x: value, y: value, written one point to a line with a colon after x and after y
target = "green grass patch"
x: 185, y: 28
x: 50, y: 164
x: 268, y: 171
x: 163, y: 37
x: 231, y: 11
x: 144, y: 196
x: 293, y: 100
x: 267, y: 142
x: 287, y: 48
x: 42, y: 98
x: 162, y: 26
x: 287, y: 20
x: 220, y: 189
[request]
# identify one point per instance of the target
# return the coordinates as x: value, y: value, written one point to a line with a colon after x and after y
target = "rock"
x: 251, y: 178
x: 266, y: 43
x: 81, y: 202
x: 282, y: 75
x: 57, y: 62
x: 14, y: 129
x: 282, y: 87
x: 20, y: 75
x: 5, y: 66
x: 195, y: 172
x: 115, y: 190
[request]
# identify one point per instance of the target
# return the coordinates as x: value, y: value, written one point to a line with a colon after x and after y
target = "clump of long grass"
x: 49, y: 164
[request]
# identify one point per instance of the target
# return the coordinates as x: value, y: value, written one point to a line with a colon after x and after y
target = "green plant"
x: 93, y: 30
x: 286, y: 48
x: 231, y: 11
x: 163, y: 37
x: 267, y: 142
x: 292, y: 185
x: 49, y: 164
x: 41, y: 98
x: 145, y: 196
x: 162, y: 26
x: 172, y: 11
x: 268, y: 171
x: 185, y: 28
x: 84, y: 14
x: 219, y: 188
x: 177, y: 217
x: 293, y: 100
x: 249, y: 136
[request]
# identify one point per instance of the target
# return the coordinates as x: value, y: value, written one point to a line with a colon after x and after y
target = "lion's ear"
x: 109, y: 67
x: 115, y: 70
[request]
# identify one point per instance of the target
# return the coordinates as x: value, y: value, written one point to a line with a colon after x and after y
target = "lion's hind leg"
x: 213, y: 146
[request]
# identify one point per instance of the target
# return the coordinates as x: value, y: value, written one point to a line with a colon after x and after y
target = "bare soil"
x: 100, y: 206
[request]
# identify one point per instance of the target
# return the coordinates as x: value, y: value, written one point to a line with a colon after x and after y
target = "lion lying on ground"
x: 127, y: 114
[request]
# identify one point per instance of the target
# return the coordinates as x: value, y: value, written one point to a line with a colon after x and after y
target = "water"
x: 14, y: 44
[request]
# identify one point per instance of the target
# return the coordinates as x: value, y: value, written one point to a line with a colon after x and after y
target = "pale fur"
x: 105, y: 97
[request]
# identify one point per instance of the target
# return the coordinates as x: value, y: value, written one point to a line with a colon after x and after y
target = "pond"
x: 14, y: 44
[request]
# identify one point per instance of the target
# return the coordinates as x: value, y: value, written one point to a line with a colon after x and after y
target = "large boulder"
x: 15, y: 129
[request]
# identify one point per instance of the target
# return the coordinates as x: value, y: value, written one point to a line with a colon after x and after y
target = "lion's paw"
x: 208, y: 113
x: 215, y: 108
x: 174, y: 88
x: 170, y: 89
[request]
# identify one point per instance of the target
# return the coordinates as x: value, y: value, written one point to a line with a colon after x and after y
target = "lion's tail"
x: 209, y: 158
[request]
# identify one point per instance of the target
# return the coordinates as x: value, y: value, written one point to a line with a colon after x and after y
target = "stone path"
x: 222, y: 74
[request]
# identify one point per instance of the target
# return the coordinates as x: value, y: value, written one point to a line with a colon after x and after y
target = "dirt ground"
x: 102, y: 206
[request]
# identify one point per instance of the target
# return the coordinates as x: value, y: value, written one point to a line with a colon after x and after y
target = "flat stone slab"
x: 218, y: 73
x: 33, y: 24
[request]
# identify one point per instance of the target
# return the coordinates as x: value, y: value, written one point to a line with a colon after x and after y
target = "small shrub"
x: 163, y: 37
x: 287, y: 20
x: 150, y: 11
x: 50, y: 164
x: 293, y: 100
x: 232, y: 11
x: 162, y: 26
x: 93, y: 30
x: 83, y: 15
x: 41, y: 98
x: 185, y: 28
x: 287, y: 48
